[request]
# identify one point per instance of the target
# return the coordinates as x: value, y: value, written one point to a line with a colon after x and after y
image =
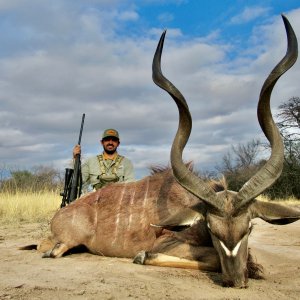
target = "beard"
x: 110, y: 149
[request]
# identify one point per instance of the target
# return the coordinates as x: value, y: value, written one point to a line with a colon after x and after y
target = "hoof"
x: 47, y: 254
x: 140, y: 258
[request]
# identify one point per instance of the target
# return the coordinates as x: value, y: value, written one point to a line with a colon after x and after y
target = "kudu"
x: 183, y: 222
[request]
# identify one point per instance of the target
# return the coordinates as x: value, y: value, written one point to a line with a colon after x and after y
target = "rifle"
x: 73, y: 179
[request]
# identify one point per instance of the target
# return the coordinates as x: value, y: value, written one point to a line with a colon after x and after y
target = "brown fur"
x: 218, y: 185
x: 45, y: 244
x: 118, y: 216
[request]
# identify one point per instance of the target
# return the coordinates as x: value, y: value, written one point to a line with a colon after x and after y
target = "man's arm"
x: 85, y: 171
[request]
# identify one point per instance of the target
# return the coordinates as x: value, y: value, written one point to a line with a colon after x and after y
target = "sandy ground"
x: 25, y: 275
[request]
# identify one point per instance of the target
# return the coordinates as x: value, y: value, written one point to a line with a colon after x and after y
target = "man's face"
x: 110, y: 144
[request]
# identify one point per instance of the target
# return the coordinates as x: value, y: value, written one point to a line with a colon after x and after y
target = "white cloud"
x: 128, y: 16
x: 8, y: 5
x: 250, y: 14
x: 73, y: 61
x: 165, y: 17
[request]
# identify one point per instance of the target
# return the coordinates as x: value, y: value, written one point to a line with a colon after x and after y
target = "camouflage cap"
x: 110, y: 132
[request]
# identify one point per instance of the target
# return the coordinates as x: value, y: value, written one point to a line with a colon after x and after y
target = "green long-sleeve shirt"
x: 91, y: 170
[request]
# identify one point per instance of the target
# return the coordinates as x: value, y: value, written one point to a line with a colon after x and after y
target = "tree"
x: 40, y: 178
x: 289, y: 126
x: 242, y: 162
x: 289, y: 119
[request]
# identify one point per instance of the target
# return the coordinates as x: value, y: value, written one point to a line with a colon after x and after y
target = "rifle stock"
x: 73, y: 180
x: 67, y: 187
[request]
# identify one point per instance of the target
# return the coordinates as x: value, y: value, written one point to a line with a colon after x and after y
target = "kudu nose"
x: 240, y: 284
x: 236, y: 280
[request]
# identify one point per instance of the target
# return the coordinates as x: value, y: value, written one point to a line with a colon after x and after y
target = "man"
x: 107, y: 167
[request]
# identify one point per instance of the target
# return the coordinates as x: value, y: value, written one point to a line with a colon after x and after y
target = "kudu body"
x: 141, y: 219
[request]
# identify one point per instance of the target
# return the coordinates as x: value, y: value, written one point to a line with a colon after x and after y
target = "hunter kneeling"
x: 108, y: 167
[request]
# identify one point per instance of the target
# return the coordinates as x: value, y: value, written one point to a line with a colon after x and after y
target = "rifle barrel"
x: 81, y: 128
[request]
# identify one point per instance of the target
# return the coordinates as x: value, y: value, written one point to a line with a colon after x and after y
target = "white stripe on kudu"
x: 115, y: 234
x: 144, y: 211
x: 232, y: 253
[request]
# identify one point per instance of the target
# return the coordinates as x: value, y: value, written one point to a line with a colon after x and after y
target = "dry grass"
x: 28, y: 207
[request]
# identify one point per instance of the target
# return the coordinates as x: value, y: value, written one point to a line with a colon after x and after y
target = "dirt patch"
x: 25, y: 275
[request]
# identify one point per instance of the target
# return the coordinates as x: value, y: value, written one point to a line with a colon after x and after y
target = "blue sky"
x: 61, y: 58
x: 200, y: 18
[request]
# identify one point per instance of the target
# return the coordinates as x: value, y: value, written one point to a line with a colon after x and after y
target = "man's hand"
x: 76, y: 151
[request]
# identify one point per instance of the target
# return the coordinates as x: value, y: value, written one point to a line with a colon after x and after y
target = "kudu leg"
x: 72, y: 226
x: 58, y: 251
x: 164, y: 260
x: 170, y: 252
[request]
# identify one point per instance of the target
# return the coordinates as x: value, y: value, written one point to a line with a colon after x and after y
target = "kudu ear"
x: 274, y: 213
x: 185, y: 218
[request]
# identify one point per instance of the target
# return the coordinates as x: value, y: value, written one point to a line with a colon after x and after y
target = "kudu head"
x: 229, y: 214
